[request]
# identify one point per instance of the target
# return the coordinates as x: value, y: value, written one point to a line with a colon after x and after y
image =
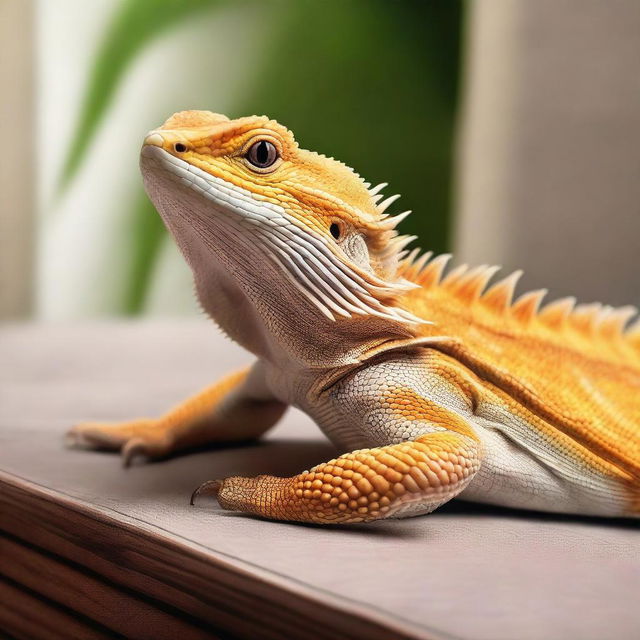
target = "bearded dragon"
x: 435, y: 385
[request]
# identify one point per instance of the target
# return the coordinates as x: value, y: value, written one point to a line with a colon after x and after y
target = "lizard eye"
x: 262, y: 154
x: 179, y: 147
x: 335, y: 230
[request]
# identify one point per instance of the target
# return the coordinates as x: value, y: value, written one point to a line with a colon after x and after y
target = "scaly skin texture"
x: 438, y: 385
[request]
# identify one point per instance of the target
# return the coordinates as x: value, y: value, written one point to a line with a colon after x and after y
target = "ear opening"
x: 356, y: 248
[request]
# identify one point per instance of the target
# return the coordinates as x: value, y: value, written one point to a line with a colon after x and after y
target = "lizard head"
x: 291, y: 227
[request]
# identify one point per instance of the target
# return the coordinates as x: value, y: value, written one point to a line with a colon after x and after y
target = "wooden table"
x: 91, y: 550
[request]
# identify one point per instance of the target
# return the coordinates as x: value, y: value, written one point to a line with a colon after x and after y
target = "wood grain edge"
x: 218, y: 590
x: 27, y: 615
x: 81, y: 591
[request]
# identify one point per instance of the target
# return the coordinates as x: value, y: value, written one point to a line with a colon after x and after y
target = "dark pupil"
x: 262, y: 152
x: 335, y: 230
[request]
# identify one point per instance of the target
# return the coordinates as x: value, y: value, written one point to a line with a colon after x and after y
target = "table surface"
x: 465, y: 571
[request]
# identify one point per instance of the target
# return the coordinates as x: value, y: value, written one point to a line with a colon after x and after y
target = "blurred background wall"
x: 511, y: 128
x: 549, y: 160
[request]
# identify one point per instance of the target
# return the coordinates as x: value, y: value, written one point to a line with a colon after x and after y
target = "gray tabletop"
x: 466, y: 571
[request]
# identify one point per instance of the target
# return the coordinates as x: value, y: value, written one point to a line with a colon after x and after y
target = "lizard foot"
x: 131, y: 439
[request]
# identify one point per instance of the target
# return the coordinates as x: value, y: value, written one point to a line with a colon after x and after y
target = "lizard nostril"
x: 179, y: 147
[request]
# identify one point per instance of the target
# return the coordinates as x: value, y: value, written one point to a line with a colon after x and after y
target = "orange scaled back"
x: 575, y: 371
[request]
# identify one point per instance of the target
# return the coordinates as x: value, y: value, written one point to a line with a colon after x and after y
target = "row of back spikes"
x: 470, y: 285
x: 396, y: 243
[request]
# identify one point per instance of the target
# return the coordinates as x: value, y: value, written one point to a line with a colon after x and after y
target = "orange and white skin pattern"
x: 435, y: 384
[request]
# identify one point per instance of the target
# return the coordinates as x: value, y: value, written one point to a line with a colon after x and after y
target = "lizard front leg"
x: 407, y: 478
x: 416, y: 411
x: 238, y: 407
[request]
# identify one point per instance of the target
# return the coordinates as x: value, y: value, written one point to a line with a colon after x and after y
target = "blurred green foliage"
x: 135, y: 24
x: 373, y: 83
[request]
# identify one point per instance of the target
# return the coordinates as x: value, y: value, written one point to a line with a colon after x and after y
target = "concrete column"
x: 549, y: 153
x: 17, y: 157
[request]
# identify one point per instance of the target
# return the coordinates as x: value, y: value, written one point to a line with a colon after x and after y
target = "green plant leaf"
x: 375, y: 84
x: 134, y: 25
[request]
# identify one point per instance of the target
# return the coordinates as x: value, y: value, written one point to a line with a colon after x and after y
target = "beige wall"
x: 550, y: 147
x: 17, y: 179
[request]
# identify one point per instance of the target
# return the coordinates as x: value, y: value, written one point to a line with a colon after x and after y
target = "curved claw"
x: 208, y: 488
x: 134, y: 447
